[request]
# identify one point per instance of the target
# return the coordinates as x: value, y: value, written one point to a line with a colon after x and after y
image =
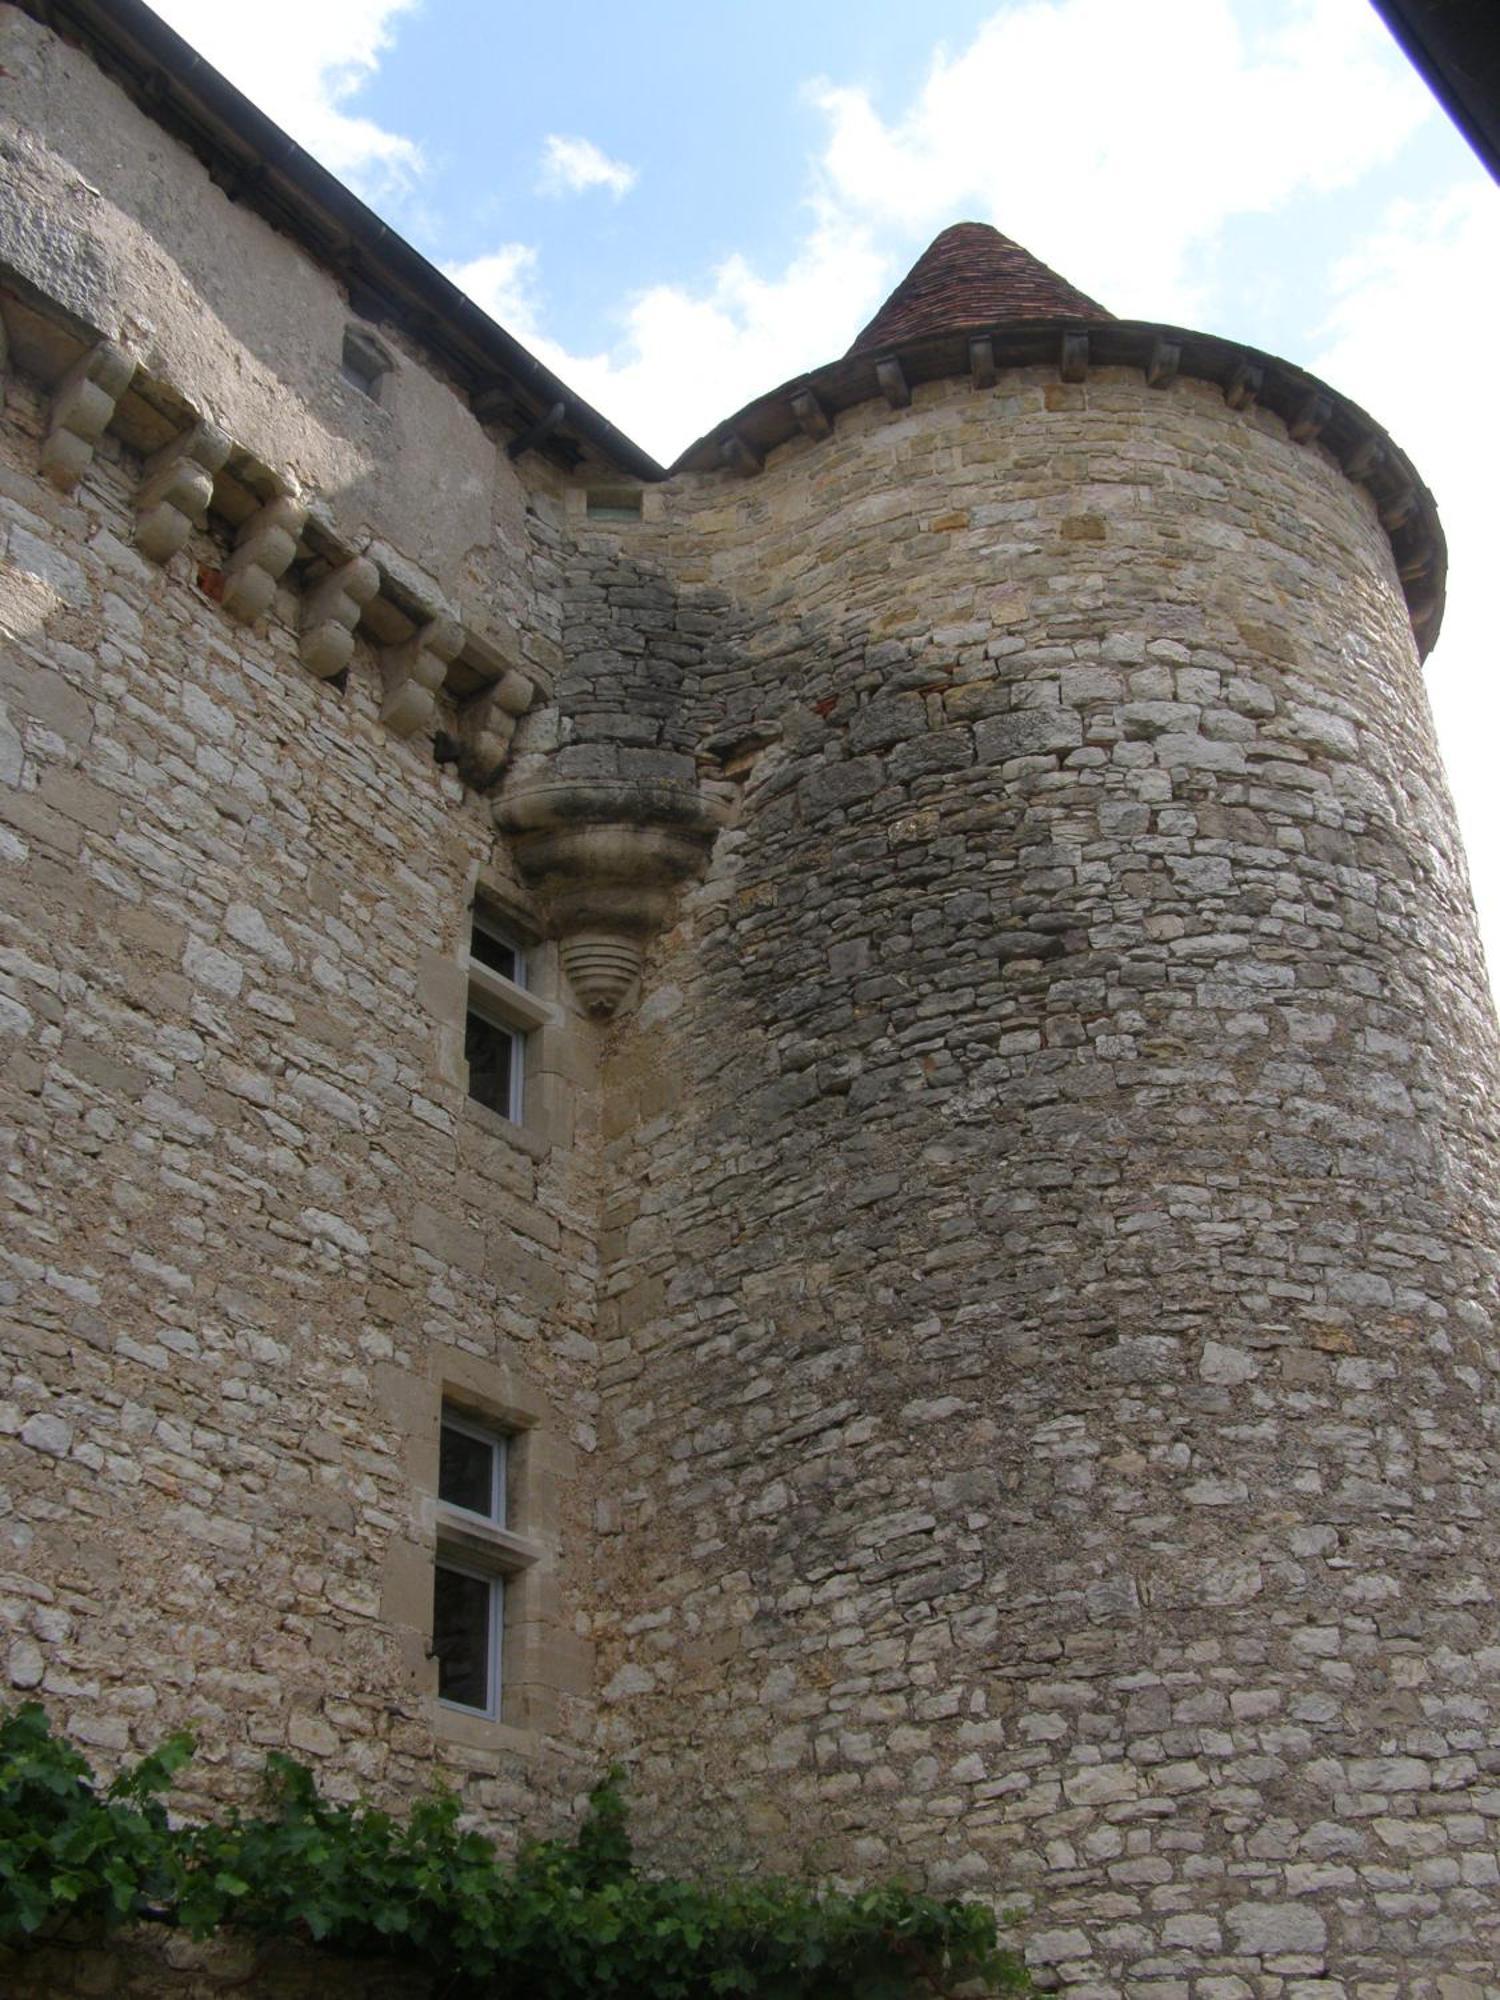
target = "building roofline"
x: 255, y: 162
x: 808, y: 406
x: 1455, y: 47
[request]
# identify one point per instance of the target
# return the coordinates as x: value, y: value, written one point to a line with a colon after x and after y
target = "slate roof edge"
x: 254, y: 161
x: 809, y: 405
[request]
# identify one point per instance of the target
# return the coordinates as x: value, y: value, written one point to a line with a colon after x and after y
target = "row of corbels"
x: 172, y: 502
x: 1309, y: 412
x: 1242, y: 388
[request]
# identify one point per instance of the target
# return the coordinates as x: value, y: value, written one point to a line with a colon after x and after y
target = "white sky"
x: 1122, y: 145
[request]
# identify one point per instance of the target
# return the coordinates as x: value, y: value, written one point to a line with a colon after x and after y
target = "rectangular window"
x: 468, y: 1587
x: 471, y: 1469
x: 363, y: 363
x: 467, y: 1610
x: 613, y: 504
x: 494, y: 1032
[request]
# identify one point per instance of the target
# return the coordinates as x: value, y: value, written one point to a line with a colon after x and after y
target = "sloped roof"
x: 972, y: 276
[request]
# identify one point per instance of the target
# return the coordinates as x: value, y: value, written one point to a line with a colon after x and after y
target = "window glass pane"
x: 466, y: 1471
x: 497, y: 952
x: 462, y: 1633
x: 490, y: 1051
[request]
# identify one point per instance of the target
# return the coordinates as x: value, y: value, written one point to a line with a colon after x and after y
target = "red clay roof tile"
x: 972, y: 276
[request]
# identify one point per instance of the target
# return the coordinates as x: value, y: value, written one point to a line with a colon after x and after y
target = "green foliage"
x: 69, y: 1850
x: 568, y: 1920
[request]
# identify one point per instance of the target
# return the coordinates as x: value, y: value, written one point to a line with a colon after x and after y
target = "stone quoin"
x: 824, y: 1122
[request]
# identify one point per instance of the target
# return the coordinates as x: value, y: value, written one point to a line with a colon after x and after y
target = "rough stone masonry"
x: 990, y: 1292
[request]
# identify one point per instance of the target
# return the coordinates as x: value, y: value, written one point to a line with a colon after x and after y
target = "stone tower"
x: 885, y: 1027
x: 1052, y: 1304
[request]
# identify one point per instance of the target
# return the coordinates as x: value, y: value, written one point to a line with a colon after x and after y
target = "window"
x: 364, y: 362
x: 497, y: 1019
x: 613, y: 504
x: 471, y: 1469
x: 468, y: 1589
x: 468, y: 1611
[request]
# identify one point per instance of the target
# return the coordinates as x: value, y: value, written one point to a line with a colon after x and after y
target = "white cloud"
x: 1409, y: 300
x: 573, y: 166
x: 503, y: 282
x: 689, y: 358
x: 1114, y: 141
x: 300, y: 62
x: 1114, y: 147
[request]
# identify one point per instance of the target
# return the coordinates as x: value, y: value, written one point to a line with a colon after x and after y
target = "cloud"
x: 573, y: 166
x: 687, y: 358
x: 300, y: 63
x: 1407, y: 300
x: 1115, y: 143
x: 1074, y: 126
x: 503, y: 282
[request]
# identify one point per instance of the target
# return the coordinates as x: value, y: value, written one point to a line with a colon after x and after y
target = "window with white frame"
x: 468, y: 1595
x: 497, y: 1019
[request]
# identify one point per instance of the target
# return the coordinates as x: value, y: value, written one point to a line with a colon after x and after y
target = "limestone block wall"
x: 121, y: 225
x: 254, y: 1228
x: 1048, y: 1320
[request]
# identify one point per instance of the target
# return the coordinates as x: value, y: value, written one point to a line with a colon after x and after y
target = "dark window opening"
x: 614, y: 505
x: 500, y: 953
x: 471, y: 1469
x: 465, y: 1637
x: 493, y: 1055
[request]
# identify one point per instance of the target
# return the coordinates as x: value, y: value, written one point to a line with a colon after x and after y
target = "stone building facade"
x: 985, y: 1269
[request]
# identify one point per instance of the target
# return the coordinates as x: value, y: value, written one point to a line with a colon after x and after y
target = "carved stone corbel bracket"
x: 263, y: 551
x: 175, y: 489
x: 330, y: 612
x: 414, y: 671
x: 605, y: 861
x: 486, y: 724
x: 81, y: 410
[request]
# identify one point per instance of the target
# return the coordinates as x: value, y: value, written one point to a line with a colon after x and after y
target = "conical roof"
x: 972, y: 276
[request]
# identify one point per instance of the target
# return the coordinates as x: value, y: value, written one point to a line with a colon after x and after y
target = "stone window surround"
x: 483, y: 1545
x: 505, y: 1004
x: 559, y: 1051
x: 576, y: 500
x: 537, y: 1665
x: 365, y: 362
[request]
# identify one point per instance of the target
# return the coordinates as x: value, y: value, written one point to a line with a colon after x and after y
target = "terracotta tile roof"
x: 972, y: 276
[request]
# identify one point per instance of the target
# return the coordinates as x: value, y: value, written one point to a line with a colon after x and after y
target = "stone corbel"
x: 263, y: 552
x: 414, y: 671
x: 81, y: 410
x: 605, y: 862
x: 330, y: 612
x: 175, y: 490
x: 486, y: 724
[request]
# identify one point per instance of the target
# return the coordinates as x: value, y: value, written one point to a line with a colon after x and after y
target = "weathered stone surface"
x: 1002, y: 1331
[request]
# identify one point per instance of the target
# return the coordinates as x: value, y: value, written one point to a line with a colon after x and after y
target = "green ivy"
x: 567, y: 1920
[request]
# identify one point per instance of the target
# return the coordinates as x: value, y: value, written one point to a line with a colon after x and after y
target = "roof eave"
x: 257, y: 163
x: 808, y: 406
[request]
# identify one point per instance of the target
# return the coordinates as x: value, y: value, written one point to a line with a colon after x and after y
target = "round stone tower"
x: 1050, y: 1349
